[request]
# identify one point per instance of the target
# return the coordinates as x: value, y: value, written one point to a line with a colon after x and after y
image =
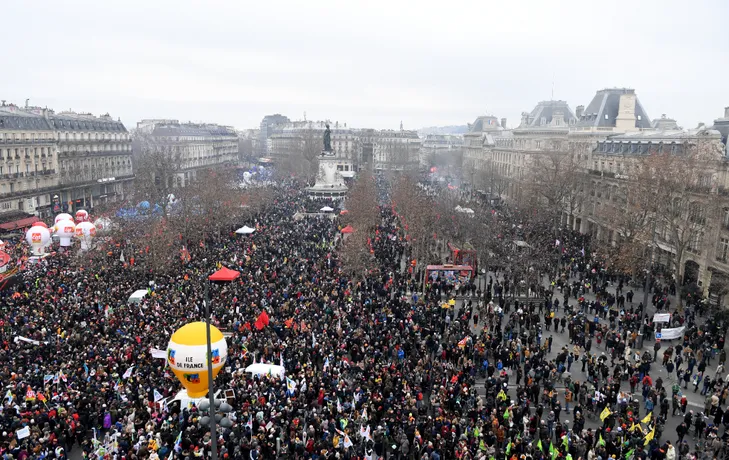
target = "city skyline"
x: 413, y: 63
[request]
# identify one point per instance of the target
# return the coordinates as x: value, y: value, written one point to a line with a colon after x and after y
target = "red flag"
x: 259, y: 324
x: 289, y: 322
x: 247, y: 326
x: 263, y: 318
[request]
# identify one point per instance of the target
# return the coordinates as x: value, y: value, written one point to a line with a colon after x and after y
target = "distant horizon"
x: 510, y: 123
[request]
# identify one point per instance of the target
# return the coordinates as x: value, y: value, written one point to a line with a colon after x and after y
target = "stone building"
x: 611, y: 170
x: 270, y: 125
x: 28, y: 164
x: 396, y: 151
x: 94, y: 157
x: 60, y: 162
x: 199, y: 146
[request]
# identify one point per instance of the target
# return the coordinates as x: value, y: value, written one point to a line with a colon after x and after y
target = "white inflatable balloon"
x: 65, y: 229
x: 85, y: 232
x: 38, y: 238
x: 63, y: 216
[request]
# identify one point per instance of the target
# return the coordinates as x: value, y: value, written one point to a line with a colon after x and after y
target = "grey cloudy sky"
x: 369, y: 63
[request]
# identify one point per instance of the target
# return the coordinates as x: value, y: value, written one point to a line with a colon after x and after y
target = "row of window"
x: 50, y: 136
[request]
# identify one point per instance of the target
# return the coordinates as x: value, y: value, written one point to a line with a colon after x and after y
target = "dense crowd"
x: 373, y: 369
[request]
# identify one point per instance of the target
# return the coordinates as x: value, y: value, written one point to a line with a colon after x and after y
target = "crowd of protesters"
x: 373, y: 369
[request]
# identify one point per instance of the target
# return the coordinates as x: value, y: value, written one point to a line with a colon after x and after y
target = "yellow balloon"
x: 186, y: 353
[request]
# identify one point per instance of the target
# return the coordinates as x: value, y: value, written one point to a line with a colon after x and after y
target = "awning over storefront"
x: 17, y: 224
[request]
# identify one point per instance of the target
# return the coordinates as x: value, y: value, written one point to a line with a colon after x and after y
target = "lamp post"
x: 211, y: 383
x: 222, y: 275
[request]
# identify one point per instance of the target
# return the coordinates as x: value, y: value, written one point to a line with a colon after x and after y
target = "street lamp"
x: 220, y: 276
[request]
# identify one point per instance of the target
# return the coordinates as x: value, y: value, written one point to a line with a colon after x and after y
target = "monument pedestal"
x: 329, y: 181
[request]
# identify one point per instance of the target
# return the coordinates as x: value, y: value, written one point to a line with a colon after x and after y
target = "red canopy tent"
x: 348, y: 229
x: 224, y: 274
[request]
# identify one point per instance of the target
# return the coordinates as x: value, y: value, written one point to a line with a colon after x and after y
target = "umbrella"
x: 245, y: 230
x: 348, y: 229
x: 326, y: 209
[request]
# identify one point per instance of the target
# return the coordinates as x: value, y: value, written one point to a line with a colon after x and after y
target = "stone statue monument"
x: 329, y: 181
x: 327, y: 141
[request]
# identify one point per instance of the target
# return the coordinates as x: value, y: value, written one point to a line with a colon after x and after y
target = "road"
x: 560, y: 340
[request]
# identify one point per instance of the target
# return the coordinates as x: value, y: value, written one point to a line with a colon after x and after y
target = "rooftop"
x: 549, y: 114
x: 485, y: 123
x: 192, y: 129
x: 671, y: 135
x: 69, y: 121
x: 14, y: 118
x: 603, y: 109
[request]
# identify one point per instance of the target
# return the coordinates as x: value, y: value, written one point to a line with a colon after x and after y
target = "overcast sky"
x: 369, y: 63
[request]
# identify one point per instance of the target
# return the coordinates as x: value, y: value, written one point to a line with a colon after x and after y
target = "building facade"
x: 440, y: 145
x: 94, y: 157
x: 270, y: 125
x: 396, y: 151
x: 28, y: 164
x: 197, y: 146
x: 60, y: 162
x: 611, y: 169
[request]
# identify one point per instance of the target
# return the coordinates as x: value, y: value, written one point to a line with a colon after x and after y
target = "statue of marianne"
x: 327, y: 139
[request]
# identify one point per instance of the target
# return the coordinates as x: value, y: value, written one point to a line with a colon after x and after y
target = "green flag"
x: 539, y: 445
x: 565, y: 442
x: 601, y: 442
x: 508, y: 448
x: 629, y: 453
x: 553, y: 451
x: 506, y: 413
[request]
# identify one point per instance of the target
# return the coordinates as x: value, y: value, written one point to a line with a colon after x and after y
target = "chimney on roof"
x: 26, y: 102
x: 503, y: 123
x: 625, y: 121
x: 3, y: 101
x: 579, y: 111
x: 726, y: 111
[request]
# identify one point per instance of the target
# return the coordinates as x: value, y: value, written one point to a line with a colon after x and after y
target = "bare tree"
x: 158, y: 164
x: 417, y: 215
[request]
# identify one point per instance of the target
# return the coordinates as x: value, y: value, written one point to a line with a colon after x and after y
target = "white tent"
x: 326, y: 209
x: 137, y: 296
x: 245, y: 230
x: 264, y: 369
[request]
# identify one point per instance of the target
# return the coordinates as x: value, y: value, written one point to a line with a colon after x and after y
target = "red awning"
x: 348, y: 229
x: 16, y: 224
x: 224, y: 274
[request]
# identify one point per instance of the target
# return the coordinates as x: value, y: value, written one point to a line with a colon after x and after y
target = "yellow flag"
x: 604, y: 414
x: 649, y: 436
x: 647, y: 418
